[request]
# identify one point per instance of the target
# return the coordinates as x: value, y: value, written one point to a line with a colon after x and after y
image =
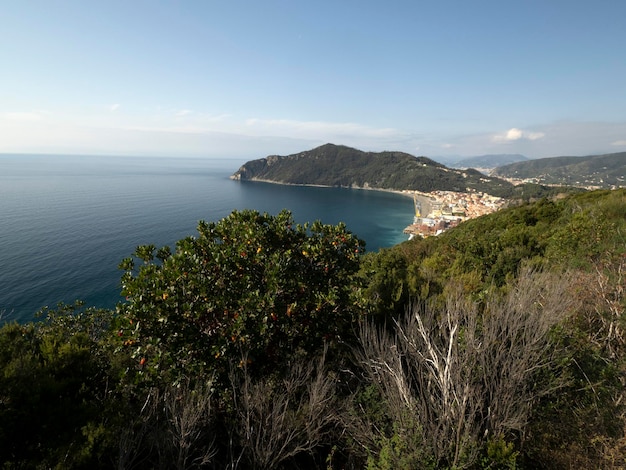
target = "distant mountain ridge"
x: 341, y: 166
x: 608, y: 170
x: 489, y: 161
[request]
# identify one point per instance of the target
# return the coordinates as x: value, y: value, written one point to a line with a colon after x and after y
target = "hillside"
x: 340, y: 166
x: 262, y: 343
x: 604, y: 171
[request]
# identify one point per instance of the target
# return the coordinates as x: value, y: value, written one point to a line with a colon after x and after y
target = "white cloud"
x: 177, y: 131
x: 23, y: 116
x: 545, y: 140
x: 535, y: 135
x: 316, y: 129
x: 514, y: 134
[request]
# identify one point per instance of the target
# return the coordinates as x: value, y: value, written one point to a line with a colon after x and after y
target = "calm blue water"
x: 67, y: 222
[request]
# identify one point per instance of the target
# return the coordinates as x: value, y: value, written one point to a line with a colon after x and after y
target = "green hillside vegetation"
x: 596, y: 170
x: 262, y: 344
x: 340, y: 166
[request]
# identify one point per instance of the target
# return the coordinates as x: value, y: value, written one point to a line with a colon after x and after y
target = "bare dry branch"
x: 280, y: 419
x: 465, y: 373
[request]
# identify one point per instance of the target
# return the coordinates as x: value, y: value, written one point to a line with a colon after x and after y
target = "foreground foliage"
x: 250, y: 285
x: 263, y: 344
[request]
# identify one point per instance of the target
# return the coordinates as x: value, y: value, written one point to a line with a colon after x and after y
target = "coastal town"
x: 438, y: 211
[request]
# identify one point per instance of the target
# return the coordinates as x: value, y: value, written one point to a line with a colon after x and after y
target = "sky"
x: 247, y: 79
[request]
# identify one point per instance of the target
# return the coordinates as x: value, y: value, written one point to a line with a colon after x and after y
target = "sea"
x: 66, y: 222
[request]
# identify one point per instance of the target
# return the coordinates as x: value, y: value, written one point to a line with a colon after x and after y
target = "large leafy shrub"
x: 252, y: 287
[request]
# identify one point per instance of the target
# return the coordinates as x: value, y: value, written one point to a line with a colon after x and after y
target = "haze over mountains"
x: 481, y: 161
x: 603, y: 171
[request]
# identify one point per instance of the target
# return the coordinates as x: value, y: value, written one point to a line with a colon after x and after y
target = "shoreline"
x: 403, y: 192
x: 434, y: 212
x: 425, y: 199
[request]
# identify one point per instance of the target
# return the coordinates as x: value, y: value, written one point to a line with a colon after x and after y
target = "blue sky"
x: 245, y: 79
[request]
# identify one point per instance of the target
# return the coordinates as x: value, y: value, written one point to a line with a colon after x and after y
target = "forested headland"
x: 341, y: 166
x: 259, y: 343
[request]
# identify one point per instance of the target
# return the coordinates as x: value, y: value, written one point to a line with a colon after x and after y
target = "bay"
x: 67, y: 221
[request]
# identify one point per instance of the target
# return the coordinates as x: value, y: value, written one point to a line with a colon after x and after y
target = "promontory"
x: 346, y: 167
